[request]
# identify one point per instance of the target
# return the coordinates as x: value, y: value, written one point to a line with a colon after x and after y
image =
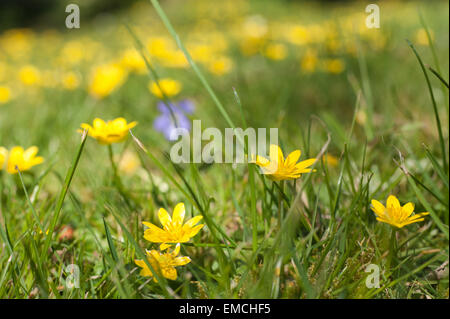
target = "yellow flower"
x: 331, y: 160
x: 129, y: 163
x: 159, y: 46
x: 277, y: 168
x: 70, y: 81
x: 17, y: 42
x: 73, y: 52
x: 133, y: 61
x: 20, y: 158
x: 421, y: 37
x: 29, y: 75
x: 168, y: 86
x: 309, y: 61
x: 174, y: 230
x: 174, y: 59
x: 105, y: 79
x: 276, y: 51
x: 395, y: 214
x: 5, y: 94
x: 201, y: 52
x: 109, y: 132
x: 334, y: 66
x: 3, y: 156
x: 299, y: 35
x: 163, y: 263
x: 220, y: 66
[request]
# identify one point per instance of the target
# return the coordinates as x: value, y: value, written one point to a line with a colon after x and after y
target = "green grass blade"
x: 436, y: 113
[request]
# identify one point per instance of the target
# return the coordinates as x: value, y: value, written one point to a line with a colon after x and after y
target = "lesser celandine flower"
x: 309, y: 61
x: 168, y: 86
x: 19, y: 159
x: 421, y: 37
x: 220, y: 66
x: 334, y: 66
x: 163, y: 263
x: 133, y: 61
x: 129, y: 163
x: 70, y: 80
x: 3, y: 155
x: 276, y: 51
x: 158, y: 46
x: 109, y: 132
x: 174, y: 231
x: 29, y: 75
x: 394, y: 214
x: 277, y: 168
x: 105, y: 79
x: 5, y: 94
x: 331, y: 160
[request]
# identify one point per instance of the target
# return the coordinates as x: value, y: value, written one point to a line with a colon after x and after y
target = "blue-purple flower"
x: 165, y: 123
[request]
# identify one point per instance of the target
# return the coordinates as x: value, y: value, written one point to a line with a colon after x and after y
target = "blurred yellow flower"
x: 3, y: 156
x: 20, y: 158
x: 394, y: 214
x: 105, y: 79
x: 334, y: 66
x: 29, y: 75
x: 168, y: 86
x: 133, y: 61
x: 17, y: 42
x: 276, y: 51
x: 254, y: 33
x: 73, y: 52
x: 70, y: 80
x: 174, y: 59
x: 163, y: 263
x: 174, y: 231
x: 333, y: 44
x: 220, y: 66
x: 331, y: 160
x: 201, y: 52
x: 129, y: 162
x: 298, y: 35
x: 421, y: 37
x: 277, y: 168
x: 109, y: 132
x: 309, y: 61
x: 5, y: 94
x: 159, y: 46
x: 255, y: 27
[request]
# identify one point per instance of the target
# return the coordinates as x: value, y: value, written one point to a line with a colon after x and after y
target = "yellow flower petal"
x: 169, y: 273
x: 164, y: 217
x: 408, y: 209
x: 276, y: 154
x: 392, y: 202
x: 193, y: 221
x: 195, y: 230
x: 304, y: 164
x: 181, y: 261
x: 292, y: 158
x: 378, y: 208
x: 178, y: 214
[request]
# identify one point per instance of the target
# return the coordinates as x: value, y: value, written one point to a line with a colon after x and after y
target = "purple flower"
x: 165, y: 123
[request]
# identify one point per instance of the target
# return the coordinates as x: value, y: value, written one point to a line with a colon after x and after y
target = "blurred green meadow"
x: 355, y: 98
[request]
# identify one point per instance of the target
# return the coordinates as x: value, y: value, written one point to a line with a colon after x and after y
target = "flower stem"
x: 117, y: 179
x: 280, y: 203
x: 391, y: 264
